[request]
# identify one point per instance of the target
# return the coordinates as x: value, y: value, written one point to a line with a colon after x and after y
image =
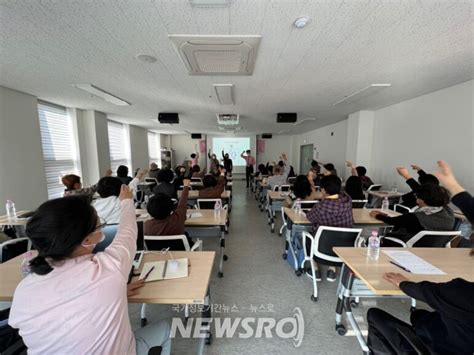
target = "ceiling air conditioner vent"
x: 211, y: 55
x: 227, y: 119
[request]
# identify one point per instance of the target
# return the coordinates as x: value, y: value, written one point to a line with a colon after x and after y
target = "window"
x: 59, y: 146
x: 154, y: 148
x: 119, y: 145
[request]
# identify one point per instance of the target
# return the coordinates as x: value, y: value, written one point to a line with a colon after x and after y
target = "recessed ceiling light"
x: 301, y: 22
x: 145, y: 58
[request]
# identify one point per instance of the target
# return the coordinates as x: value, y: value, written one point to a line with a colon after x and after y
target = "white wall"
x: 423, y: 130
x: 329, y: 148
x: 139, y: 147
x: 273, y: 149
x: 22, y: 175
x: 183, y: 146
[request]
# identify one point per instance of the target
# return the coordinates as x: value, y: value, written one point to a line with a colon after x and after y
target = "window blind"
x: 154, y: 148
x: 59, y: 147
x: 119, y: 146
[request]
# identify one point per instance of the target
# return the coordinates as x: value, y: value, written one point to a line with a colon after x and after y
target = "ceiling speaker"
x: 266, y: 136
x: 284, y: 117
x: 196, y: 135
x: 168, y: 117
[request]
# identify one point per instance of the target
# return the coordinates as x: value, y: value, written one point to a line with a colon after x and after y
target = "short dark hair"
x: 209, y: 181
x: 354, y: 188
x: 160, y: 206
x: 361, y: 171
x: 329, y: 167
x: 57, y: 228
x: 122, y: 171
x: 314, y: 163
x: 281, y: 163
x: 302, y: 187
x: 165, y: 175
x: 433, y: 195
x: 196, y: 168
x: 428, y: 179
x: 70, y: 180
x: 109, y: 186
x: 248, y: 151
x: 193, y: 155
x: 331, y: 184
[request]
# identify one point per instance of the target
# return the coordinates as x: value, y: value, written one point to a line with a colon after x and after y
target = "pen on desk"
x: 401, y: 267
x: 149, y: 272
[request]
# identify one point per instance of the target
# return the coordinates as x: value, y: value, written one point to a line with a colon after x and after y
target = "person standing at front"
x: 250, y: 162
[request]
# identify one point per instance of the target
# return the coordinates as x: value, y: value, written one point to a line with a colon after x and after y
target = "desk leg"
x: 223, y: 257
x: 206, y: 314
x: 344, y: 303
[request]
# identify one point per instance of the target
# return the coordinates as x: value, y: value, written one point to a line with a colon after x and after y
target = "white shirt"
x: 108, y: 209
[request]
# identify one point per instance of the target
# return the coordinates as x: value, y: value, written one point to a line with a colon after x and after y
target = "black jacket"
x: 409, y: 198
x: 465, y: 202
x: 450, y: 328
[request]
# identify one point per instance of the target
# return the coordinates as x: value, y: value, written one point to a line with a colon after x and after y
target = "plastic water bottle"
x: 394, y: 187
x: 25, y: 264
x: 11, y: 211
x: 373, y: 249
x: 217, y: 208
x: 298, y: 206
x: 385, y: 204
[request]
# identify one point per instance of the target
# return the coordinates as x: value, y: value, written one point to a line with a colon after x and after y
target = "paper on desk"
x: 412, y: 262
x: 389, y: 213
x: 194, y: 215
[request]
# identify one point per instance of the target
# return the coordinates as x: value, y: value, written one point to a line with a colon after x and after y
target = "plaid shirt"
x: 332, y: 213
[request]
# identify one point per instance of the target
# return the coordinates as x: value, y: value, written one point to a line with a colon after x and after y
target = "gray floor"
x: 256, y: 275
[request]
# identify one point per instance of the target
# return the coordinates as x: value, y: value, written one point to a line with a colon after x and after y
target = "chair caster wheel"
x: 314, y: 299
x: 143, y: 322
x: 209, y: 339
x: 354, y: 304
x: 284, y: 256
x: 341, y: 329
x: 298, y: 272
x: 412, y: 309
x: 220, y: 274
x: 225, y: 258
x: 273, y: 230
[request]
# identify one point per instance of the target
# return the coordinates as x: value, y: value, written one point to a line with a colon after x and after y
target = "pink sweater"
x: 81, y: 306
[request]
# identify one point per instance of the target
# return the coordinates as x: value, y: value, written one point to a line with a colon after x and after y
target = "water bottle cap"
x: 374, y: 233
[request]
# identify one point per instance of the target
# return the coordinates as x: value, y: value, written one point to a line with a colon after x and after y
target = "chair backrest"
x: 207, y: 203
x: 402, y: 209
x: 153, y: 180
x: 196, y: 179
x: 359, y: 203
x: 276, y: 188
x: 285, y: 188
x: 291, y: 180
x: 307, y: 205
x: 327, y: 238
x: 158, y: 242
x: 14, y: 247
x: 374, y: 187
x: 432, y: 239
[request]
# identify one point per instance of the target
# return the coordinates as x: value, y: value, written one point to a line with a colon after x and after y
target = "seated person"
x: 194, y: 157
x: 213, y: 163
x: 329, y: 169
x: 432, y: 214
x: 354, y: 188
x: 167, y: 220
x: 333, y: 210
x: 314, y: 174
x: 196, y: 172
x: 165, y: 185
x: 213, y: 188
x: 291, y: 172
x: 153, y: 172
x: 108, y: 206
x: 67, y: 279
x: 122, y: 174
x: 261, y: 170
x: 409, y: 199
x: 136, y: 180
x: 360, y: 171
x: 74, y: 186
x: 302, y: 190
x: 180, y: 173
x: 448, y: 329
x: 280, y: 174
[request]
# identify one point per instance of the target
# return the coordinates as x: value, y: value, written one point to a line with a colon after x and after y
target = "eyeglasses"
x: 102, y: 224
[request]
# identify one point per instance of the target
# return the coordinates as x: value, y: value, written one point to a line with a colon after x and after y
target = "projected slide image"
x: 234, y: 146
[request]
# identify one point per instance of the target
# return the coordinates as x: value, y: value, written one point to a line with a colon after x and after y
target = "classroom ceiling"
x: 417, y: 46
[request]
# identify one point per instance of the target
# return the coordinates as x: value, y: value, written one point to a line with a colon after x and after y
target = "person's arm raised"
x: 352, y: 166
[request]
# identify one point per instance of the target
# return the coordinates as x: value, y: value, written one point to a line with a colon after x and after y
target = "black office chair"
x: 321, y: 250
x: 14, y: 247
x: 10, y: 341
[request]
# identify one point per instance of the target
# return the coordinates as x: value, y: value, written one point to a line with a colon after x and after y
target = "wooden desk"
x: 5, y: 221
x: 208, y: 225
x: 388, y: 194
x: 189, y: 290
x: 358, y: 269
x: 194, y: 195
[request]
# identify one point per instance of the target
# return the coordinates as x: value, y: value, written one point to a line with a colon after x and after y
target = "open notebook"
x: 165, y: 270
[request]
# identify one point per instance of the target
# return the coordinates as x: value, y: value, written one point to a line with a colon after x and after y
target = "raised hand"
x: 403, y: 172
x: 446, y: 177
x: 125, y: 193
x: 415, y: 167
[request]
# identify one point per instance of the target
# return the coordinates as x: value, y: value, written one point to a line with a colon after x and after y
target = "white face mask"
x: 92, y: 246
